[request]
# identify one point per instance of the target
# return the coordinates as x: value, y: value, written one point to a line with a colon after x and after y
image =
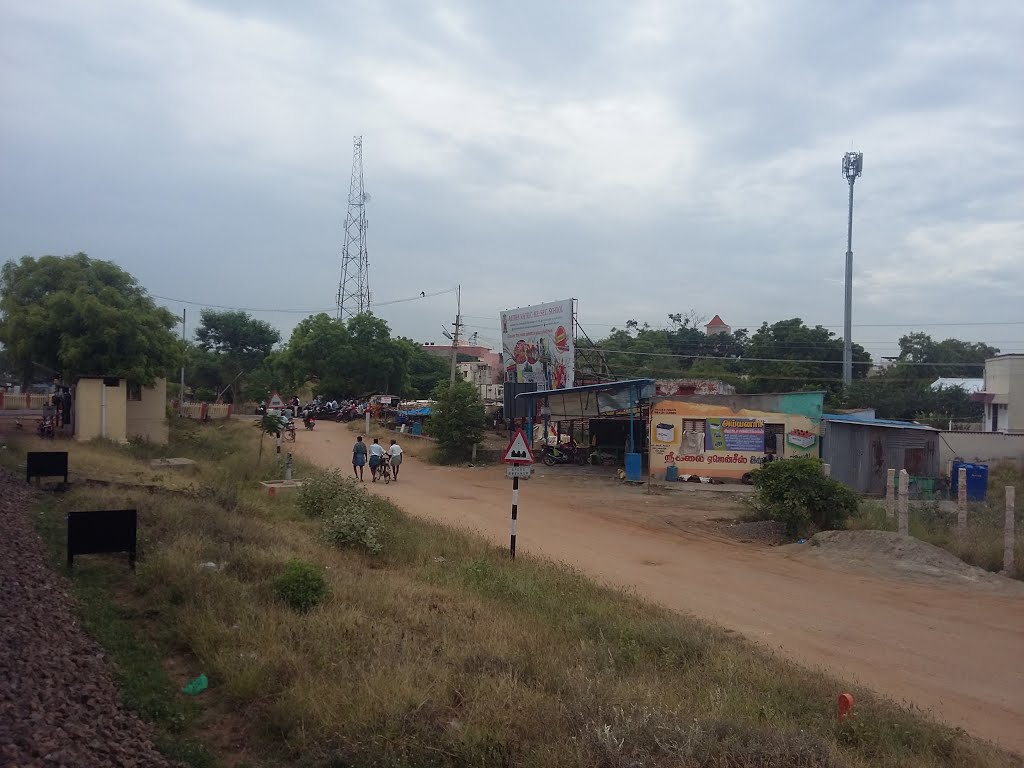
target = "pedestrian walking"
x: 376, y: 458
x: 358, y: 458
x: 395, y: 452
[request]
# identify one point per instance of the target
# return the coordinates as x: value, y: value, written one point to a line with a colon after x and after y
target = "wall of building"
x: 147, y: 418
x: 1004, y: 377
x: 860, y: 454
x: 980, y: 448
x: 483, y: 354
x: 727, y: 436
x: 89, y: 409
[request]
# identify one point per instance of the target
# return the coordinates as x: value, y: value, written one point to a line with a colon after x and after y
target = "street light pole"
x: 853, y: 165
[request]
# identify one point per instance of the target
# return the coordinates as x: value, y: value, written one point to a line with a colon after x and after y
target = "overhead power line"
x: 763, y: 359
x: 418, y: 297
x: 757, y: 325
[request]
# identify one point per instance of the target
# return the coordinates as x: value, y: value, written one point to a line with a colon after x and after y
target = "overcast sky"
x: 642, y: 157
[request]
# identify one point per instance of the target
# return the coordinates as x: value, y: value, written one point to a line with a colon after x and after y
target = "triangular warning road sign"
x: 518, y: 451
x: 275, y: 402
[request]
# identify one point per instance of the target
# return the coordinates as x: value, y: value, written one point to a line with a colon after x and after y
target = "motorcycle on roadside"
x: 566, y: 453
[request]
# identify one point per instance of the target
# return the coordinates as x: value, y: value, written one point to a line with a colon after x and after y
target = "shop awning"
x: 617, y: 398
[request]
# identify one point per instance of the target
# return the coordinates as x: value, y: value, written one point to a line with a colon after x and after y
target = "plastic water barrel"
x: 672, y: 474
x: 977, y: 482
x: 633, y: 467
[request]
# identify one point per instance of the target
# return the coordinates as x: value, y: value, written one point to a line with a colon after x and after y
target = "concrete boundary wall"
x: 981, y: 448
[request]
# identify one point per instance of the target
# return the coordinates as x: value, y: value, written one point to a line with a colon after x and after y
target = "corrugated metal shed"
x: 861, y: 450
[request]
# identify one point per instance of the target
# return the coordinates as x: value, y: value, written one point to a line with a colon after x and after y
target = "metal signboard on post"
x: 520, y: 456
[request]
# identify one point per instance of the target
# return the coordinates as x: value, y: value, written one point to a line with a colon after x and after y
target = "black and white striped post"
x: 515, y: 512
x: 519, y: 455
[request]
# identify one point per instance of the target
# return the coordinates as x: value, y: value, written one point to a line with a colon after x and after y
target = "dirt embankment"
x: 59, y: 705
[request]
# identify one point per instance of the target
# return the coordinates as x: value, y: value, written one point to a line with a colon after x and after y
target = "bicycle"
x: 385, y: 469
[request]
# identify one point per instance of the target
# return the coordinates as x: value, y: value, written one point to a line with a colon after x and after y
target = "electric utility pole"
x: 455, y: 334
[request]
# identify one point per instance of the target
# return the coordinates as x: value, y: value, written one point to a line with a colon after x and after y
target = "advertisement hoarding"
x: 735, y: 435
x: 724, y: 441
x: 537, y: 345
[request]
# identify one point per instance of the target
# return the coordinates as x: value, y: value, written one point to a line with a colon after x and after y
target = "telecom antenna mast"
x: 354, y: 286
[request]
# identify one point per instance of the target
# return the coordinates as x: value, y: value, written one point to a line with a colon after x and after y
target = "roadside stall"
x: 578, y: 410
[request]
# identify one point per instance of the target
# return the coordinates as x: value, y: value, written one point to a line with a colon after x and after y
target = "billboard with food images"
x: 537, y: 345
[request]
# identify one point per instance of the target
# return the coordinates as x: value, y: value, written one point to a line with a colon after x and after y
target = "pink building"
x: 483, y: 354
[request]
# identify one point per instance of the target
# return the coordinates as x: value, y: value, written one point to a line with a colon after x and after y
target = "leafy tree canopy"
x: 921, y: 357
x: 352, y: 358
x: 237, y: 335
x: 456, y: 420
x: 76, y: 316
x: 790, y: 355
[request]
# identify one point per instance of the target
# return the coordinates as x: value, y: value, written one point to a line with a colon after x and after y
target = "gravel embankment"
x: 58, y: 702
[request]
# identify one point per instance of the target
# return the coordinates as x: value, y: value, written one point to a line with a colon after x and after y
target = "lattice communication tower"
x: 354, y: 286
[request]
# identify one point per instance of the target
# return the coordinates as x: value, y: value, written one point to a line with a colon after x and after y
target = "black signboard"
x: 46, y: 464
x: 107, y: 530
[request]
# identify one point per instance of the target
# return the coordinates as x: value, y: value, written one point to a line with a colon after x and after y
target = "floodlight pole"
x: 853, y: 164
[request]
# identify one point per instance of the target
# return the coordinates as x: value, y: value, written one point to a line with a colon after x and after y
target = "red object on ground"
x: 844, y: 707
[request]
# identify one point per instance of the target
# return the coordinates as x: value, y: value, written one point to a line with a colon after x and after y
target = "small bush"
x: 796, y: 493
x: 326, y: 493
x: 301, y: 586
x: 356, y: 525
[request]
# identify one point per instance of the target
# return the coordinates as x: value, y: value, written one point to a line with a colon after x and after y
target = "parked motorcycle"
x: 308, y: 421
x: 566, y: 453
x: 47, y: 427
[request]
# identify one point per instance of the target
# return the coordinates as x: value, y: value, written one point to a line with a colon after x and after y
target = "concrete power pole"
x: 455, y: 334
x: 853, y: 165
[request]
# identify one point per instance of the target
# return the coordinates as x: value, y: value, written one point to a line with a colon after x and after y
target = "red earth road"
x: 954, y: 650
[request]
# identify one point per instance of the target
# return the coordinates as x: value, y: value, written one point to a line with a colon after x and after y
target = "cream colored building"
x: 477, y: 374
x: 1003, y: 394
x: 108, y: 407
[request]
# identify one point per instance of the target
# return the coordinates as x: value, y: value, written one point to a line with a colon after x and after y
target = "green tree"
x: 789, y: 355
x: 426, y: 371
x: 350, y: 359
x: 456, y: 420
x: 320, y: 351
x: 238, y: 341
x: 921, y: 357
x: 79, y: 316
x: 380, y: 363
x: 275, y: 374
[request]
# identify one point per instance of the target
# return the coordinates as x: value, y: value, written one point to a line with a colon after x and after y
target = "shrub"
x: 796, y: 493
x: 301, y: 586
x: 358, y: 525
x: 326, y: 493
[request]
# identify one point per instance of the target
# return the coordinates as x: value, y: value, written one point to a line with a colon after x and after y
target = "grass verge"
x: 145, y: 685
x: 441, y: 652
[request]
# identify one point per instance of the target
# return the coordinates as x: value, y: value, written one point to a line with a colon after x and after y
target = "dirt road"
x: 956, y: 651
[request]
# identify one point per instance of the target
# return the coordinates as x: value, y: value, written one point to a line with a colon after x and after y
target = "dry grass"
x: 982, y: 542
x: 441, y: 652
